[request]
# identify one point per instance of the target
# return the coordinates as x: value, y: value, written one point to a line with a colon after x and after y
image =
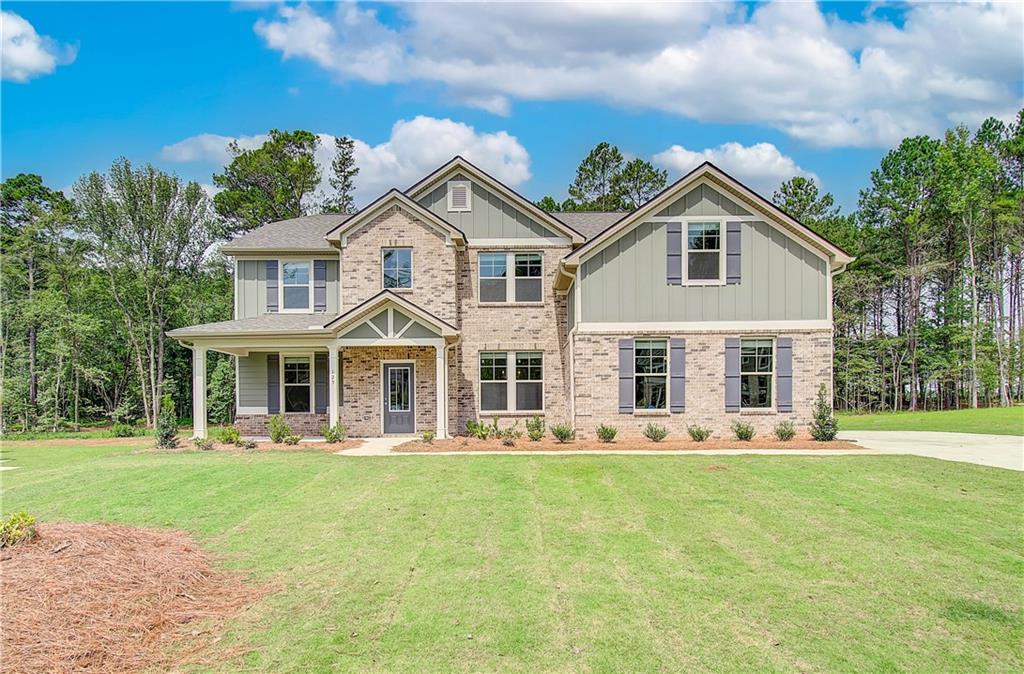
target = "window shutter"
x: 784, y: 374
x: 677, y: 370
x: 674, y: 249
x: 320, y: 375
x: 626, y: 376
x: 273, y: 383
x: 271, y: 286
x: 319, y: 285
x: 732, y: 252
x: 732, y: 374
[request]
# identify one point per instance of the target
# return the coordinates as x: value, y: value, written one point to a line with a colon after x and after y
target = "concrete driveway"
x: 999, y: 451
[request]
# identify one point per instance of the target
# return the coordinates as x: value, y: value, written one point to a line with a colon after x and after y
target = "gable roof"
x: 300, y: 235
x: 385, y: 297
x: 590, y: 223
x: 459, y: 164
x: 385, y: 201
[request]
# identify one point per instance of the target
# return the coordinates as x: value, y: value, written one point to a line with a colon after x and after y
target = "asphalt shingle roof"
x: 590, y: 224
x: 258, y: 324
x: 305, y: 234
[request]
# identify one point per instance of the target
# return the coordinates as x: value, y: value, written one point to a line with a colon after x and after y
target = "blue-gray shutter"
x: 273, y: 383
x: 784, y: 373
x: 319, y: 285
x: 626, y: 376
x: 271, y: 286
x: 677, y: 374
x: 733, y: 244
x: 320, y: 374
x: 674, y: 258
x: 732, y: 374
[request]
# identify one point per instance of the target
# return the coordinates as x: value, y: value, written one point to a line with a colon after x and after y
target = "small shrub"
x: 202, y: 444
x: 292, y: 439
x: 120, y: 430
x: 784, y: 430
x: 428, y: 437
x: 167, y: 424
x: 278, y: 429
x: 510, y: 435
x: 481, y: 430
x: 655, y: 433
x: 606, y: 433
x: 825, y: 427
x: 19, y: 527
x: 336, y: 433
x: 535, y: 428
x: 742, y: 430
x: 247, y: 444
x: 698, y: 433
x: 229, y: 435
x: 563, y: 432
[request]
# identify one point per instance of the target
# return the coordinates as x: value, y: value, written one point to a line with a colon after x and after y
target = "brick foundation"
x: 307, y: 425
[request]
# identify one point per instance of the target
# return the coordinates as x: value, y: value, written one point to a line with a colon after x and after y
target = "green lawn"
x: 996, y: 420
x: 580, y: 563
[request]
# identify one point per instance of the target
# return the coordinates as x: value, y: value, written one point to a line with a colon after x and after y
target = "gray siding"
x: 252, y: 380
x: 702, y: 200
x: 251, y: 282
x: 491, y: 217
x: 780, y: 280
x: 570, y: 307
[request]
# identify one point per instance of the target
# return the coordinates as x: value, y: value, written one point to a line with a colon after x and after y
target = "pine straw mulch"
x: 265, y: 446
x: 549, y: 444
x: 112, y: 598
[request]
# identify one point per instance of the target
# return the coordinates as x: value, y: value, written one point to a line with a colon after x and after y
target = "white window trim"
x: 668, y: 376
x: 469, y: 196
x: 412, y: 270
x: 312, y: 380
x: 510, y: 278
x: 510, y: 384
x: 280, y: 287
x: 720, y: 281
x: 772, y: 405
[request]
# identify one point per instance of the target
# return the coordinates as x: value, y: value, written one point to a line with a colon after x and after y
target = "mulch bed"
x: 548, y: 444
x: 112, y: 598
x: 186, y: 445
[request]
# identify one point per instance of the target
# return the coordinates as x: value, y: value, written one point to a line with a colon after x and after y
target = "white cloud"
x: 414, y: 148
x: 823, y: 80
x: 25, y: 54
x: 760, y: 166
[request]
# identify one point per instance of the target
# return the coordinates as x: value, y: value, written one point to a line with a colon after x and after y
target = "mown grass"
x: 579, y: 563
x: 993, y: 420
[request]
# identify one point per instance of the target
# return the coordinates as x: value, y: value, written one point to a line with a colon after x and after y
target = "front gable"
x: 386, y: 203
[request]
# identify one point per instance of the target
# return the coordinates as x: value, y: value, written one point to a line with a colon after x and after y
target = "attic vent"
x: 458, y: 195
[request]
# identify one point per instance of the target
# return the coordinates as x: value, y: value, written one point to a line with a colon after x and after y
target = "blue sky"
x: 525, y: 91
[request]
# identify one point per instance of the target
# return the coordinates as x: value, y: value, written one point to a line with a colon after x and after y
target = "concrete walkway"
x: 998, y: 451
x: 377, y: 446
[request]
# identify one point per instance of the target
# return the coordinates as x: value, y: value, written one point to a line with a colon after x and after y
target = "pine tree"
x: 343, y: 173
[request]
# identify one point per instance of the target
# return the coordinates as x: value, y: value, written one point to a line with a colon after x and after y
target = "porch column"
x: 441, y: 379
x: 198, y: 391
x: 332, y: 382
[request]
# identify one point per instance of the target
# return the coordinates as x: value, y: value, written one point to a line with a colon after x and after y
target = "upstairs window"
x: 397, y: 266
x: 460, y: 196
x: 528, y: 273
x: 493, y: 277
x: 757, y: 363
x: 650, y: 377
x: 295, y: 286
x: 704, y: 252
x: 527, y: 277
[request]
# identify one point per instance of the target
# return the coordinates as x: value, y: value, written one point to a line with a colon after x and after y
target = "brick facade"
x: 255, y: 425
x: 363, y: 395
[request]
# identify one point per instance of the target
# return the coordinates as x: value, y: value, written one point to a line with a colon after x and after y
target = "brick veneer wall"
x: 303, y: 424
x: 597, y: 399
x: 363, y: 397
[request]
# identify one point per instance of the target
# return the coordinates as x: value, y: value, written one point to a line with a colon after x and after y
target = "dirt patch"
x: 86, y: 442
x: 112, y: 598
x: 465, y: 444
x: 330, y: 448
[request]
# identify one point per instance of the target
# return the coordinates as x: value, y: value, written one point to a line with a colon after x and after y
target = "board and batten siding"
x: 251, y: 287
x: 779, y: 280
x: 490, y: 217
x: 702, y: 200
x: 252, y: 380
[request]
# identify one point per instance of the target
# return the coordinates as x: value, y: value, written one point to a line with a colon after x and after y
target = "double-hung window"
x: 650, y: 377
x: 527, y: 272
x: 757, y: 365
x: 397, y: 267
x: 297, y: 384
x: 493, y: 277
x: 295, y: 286
x: 704, y: 252
x: 516, y: 389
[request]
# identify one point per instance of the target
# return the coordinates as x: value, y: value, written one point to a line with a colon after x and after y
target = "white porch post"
x: 332, y: 382
x: 441, y: 379
x: 198, y: 391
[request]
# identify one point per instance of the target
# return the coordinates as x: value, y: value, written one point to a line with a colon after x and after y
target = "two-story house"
x: 459, y: 299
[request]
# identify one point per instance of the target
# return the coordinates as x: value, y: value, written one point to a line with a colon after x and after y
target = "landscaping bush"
x: 825, y: 426
x: 510, y: 435
x: 784, y: 430
x: 428, y: 437
x: 482, y: 430
x: 535, y: 428
x: 336, y: 433
x: 246, y: 444
x: 655, y: 433
x: 19, y: 527
x: 167, y: 424
x: 563, y: 432
x: 292, y: 439
x: 742, y: 430
x: 202, y: 444
x: 698, y: 433
x: 120, y: 430
x: 606, y: 433
x: 278, y: 429
x: 229, y: 435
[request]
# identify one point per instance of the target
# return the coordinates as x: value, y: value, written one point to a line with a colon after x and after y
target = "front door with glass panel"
x: 399, y: 398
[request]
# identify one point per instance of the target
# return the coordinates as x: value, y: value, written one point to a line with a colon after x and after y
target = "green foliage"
x: 535, y: 428
x: 593, y: 187
x: 824, y: 426
x: 428, y: 437
x: 220, y: 400
x: 510, y: 434
x: 293, y: 439
x: 563, y: 432
x: 202, y: 444
x: 698, y: 433
x: 784, y: 430
x: 548, y: 204
x: 119, y: 430
x: 20, y: 527
x: 246, y: 444
x: 333, y: 434
x: 606, y: 433
x: 278, y: 428
x: 228, y: 435
x: 482, y: 430
x: 342, y: 179
x: 743, y: 431
x: 637, y: 182
x: 167, y: 424
x: 654, y: 432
